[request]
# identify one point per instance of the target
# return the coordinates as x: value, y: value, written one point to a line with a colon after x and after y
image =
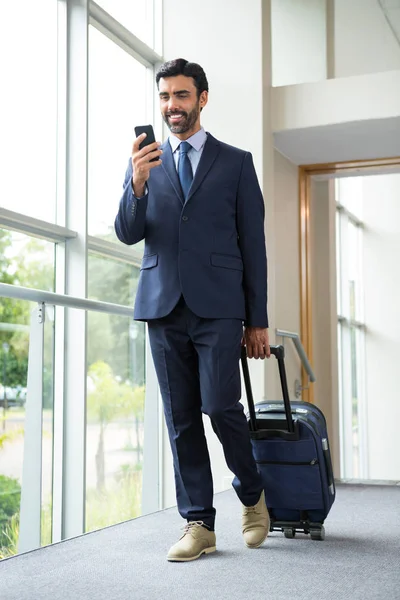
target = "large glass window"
x: 44, y: 117
x: 117, y: 102
x: 115, y: 420
x: 112, y: 280
x: 28, y: 114
x: 136, y: 16
x: 24, y: 262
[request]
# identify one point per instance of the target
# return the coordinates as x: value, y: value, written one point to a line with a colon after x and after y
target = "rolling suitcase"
x: 290, y: 445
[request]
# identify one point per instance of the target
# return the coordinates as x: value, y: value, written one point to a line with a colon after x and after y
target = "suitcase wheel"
x: 289, y: 533
x: 317, y: 534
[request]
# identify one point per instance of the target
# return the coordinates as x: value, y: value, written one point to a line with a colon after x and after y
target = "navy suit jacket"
x: 210, y: 248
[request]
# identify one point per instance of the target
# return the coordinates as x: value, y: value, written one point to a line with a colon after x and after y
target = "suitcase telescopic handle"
x: 279, y: 353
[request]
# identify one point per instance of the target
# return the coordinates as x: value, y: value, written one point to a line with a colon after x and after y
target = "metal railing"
x: 298, y: 388
x: 31, y: 489
x: 22, y: 293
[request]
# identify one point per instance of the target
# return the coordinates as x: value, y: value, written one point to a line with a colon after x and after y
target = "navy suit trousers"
x: 197, y: 365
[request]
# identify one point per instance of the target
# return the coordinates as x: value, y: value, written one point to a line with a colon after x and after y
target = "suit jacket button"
x: 185, y: 218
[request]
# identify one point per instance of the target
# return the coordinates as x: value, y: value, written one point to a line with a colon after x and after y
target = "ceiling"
x: 358, y: 140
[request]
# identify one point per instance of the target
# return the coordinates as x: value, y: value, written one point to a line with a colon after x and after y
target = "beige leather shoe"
x: 196, y: 540
x: 255, y: 523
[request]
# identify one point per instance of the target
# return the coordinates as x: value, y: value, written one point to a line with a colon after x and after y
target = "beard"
x: 187, y: 122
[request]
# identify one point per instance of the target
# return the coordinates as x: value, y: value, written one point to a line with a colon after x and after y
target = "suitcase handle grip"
x: 279, y: 353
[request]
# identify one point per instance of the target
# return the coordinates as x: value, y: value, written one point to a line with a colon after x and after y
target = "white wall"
x: 363, y: 40
x: 381, y: 215
x: 230, y: 39
x: 298, y: 41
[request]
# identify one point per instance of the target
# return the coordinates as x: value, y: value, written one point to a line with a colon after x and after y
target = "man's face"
x: 180, y: 106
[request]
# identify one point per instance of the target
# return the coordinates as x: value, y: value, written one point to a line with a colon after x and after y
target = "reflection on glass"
x: 117, y: 102
x: 111, y: 280
x: 26, y: 262
x: 136, y: 16
x: 115, y: 415
x: 28, y: 116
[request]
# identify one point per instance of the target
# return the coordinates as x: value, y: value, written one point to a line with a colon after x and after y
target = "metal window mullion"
x: 73, y: 518
x: 34, y: 227
x: 59, y: 314
x: 114, y: 251
x: 31, y: 489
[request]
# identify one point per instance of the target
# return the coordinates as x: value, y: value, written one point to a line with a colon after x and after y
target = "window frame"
x: 73, y: 246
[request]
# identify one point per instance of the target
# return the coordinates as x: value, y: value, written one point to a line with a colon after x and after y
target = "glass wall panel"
x: 111, y: 280
x: 14, y: 351
x: 115, y: 419
x: 28, y: 115
x: 136, y: 16
x: 117, y: 102
x: 27, y: 262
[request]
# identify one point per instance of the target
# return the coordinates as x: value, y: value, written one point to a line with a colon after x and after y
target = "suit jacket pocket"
x: 227, y: 261
x: 149, y: 261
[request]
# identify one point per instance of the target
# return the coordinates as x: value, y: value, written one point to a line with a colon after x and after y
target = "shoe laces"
x: 192, y: 525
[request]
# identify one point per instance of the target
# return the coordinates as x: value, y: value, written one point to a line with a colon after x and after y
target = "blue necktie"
x: 185, y: 168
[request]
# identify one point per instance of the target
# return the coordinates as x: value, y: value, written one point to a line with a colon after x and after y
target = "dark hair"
x: 180, y: 66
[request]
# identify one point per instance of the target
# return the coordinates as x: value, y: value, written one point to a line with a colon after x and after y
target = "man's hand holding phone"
x: 145, y: 156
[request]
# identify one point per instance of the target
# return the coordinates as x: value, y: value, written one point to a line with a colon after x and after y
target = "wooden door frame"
x: 306, y: 172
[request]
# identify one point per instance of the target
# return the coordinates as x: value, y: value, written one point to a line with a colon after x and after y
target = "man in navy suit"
x: 203, y: 291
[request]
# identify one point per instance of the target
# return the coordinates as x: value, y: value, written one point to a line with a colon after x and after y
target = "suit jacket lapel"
x: 210, y: 153
x: 168, y: 165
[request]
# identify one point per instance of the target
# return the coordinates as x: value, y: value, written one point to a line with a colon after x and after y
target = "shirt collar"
x: 197, y: 140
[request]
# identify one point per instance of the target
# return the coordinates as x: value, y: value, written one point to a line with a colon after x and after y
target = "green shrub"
x: 10, y: 499
x: 10, y: 535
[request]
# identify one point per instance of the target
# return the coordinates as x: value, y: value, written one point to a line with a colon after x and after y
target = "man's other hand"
x: 256, y: 340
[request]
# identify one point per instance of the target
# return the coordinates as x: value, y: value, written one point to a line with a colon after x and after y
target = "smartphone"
x: 149, y: 139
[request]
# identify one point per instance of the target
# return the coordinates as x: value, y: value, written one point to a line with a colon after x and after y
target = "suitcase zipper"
x: 313, y: 462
